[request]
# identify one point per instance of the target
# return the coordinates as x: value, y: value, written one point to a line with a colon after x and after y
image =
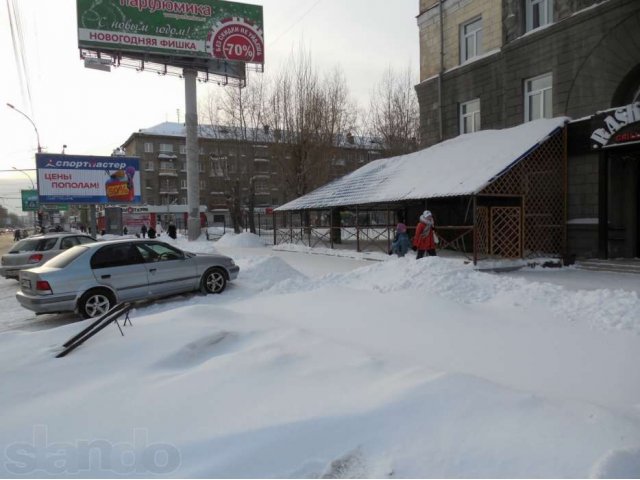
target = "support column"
x: 93, y: 230
x: 193, y: 184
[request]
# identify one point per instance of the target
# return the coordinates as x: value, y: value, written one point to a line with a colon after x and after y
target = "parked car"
x: 90, y: 279
x: 36, y: 250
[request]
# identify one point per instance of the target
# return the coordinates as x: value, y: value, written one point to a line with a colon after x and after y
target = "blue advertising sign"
x: 79, y: 179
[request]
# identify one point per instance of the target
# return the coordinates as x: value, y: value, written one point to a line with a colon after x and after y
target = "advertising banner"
x: 29, y: 200
x: 194, y: 28
x: 79, y: 179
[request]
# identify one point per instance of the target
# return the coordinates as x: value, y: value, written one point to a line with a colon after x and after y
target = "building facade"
x: 488, y: 64
x: 252, y: 167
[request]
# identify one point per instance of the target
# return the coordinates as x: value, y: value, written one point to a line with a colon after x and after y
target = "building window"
x: 538, y: 13
x: 166, y: 148
x: 203, y: 184
x: 537, y: 97
x: 216, y: 167
x: 149, y: 166
x: 183, y: 200
x: 470, y: 116
x: 183, y: 184
x: 201, y: 166
x: 182, y: 149
x: 470, y: 40
x: 183, y: 166
x: 148, y: 147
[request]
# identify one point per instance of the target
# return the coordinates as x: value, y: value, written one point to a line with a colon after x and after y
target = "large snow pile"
x: 244, y: 240
x: 398, y: 369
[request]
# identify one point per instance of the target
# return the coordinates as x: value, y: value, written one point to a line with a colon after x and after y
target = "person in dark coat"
x: 17, y: 234
x: 151, y: 232
x: 143, y: 230
x: 172, y: 232
x: 125, y: 231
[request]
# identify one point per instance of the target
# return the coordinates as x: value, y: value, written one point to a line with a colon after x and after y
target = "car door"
x: 121, y: 267
x: 170, y: 270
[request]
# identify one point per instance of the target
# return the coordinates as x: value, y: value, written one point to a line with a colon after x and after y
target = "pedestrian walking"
x: 143, y: 230
x: 424, y: 241
x: 151, y: 232
x: 172, y: 232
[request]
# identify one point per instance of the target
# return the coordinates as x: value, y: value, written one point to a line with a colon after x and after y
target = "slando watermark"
x: 67, y: 458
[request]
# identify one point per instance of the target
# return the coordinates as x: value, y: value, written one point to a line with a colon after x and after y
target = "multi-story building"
x: 235, y: 164
x: 492, y: 64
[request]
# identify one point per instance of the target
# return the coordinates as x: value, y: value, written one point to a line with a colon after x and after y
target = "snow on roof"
x: 461, y: 166
x: 174, y: 129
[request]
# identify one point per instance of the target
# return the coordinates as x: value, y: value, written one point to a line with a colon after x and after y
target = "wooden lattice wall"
x: 540, y: 180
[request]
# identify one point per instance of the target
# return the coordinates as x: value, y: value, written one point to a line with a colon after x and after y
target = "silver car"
x: 92, y: 278
x: 37, y: 249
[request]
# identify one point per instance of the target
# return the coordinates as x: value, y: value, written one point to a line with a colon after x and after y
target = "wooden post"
x: 290, y: 227
x: 357, y: 230
x: 274, y: 227
x: 331, y: 228
x: 475, y: 233
x: 388, y: 229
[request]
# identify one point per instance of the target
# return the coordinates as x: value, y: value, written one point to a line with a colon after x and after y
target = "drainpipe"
x: 440, y: 109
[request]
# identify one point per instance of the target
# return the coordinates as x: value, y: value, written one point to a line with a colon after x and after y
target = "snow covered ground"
x: 314, y: 365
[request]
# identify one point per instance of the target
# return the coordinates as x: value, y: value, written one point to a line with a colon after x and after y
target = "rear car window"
x: 117, y: 255
x: 66, y: 257
x: 34, y: 245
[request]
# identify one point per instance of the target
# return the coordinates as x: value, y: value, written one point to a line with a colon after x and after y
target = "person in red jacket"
x: 423, y: 239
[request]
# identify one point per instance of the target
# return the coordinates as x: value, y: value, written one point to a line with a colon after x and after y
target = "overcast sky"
x: 93, y: 112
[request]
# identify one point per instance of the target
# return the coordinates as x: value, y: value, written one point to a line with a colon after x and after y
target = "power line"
x: 295, y: 23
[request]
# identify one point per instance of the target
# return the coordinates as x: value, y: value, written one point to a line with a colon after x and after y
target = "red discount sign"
x: 236, y: 39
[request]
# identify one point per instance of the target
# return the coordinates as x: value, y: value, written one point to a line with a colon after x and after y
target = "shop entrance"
x: 624, y: 202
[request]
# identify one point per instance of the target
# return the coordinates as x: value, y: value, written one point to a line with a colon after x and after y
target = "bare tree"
x: 394, y: 112
x: 237, y: 116
x: 309, y: 115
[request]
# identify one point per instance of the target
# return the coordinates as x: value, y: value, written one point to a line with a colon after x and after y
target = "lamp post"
x: 33, y: 187
x: 31, y: 121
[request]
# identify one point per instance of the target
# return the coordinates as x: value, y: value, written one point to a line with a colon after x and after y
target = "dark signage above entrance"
x: 619, y: 126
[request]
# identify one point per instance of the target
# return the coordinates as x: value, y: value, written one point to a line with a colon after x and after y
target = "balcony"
x: 168, y: 172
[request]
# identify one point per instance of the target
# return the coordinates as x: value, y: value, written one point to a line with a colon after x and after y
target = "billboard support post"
x: 193, y: 187
x: 93, y: 221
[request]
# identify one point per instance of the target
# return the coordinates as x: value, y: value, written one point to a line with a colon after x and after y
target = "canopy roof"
x: 464, y: 165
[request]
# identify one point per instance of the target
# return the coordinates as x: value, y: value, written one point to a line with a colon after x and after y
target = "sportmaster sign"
x: 204, y: 29
x: 88, y: 179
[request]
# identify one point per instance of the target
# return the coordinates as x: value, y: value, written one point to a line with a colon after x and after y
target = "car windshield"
x: 34, y: 245
x: 66, y: 257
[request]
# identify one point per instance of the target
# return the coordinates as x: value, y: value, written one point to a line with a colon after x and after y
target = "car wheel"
x: 214, y: 281
x: 95, y: 303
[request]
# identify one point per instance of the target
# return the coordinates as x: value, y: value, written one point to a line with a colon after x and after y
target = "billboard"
x: 78, y: 179
x: 205, y: 29
x: 29, y: 200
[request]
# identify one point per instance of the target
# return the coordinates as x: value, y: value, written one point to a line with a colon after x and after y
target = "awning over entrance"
x: 464, y: 165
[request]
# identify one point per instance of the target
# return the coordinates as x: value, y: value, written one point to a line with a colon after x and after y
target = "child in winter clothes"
x: 401, y: 242
x: 423, y: 239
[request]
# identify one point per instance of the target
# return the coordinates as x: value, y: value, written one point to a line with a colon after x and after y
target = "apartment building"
x: 493, y: 64
x: 234, y: 164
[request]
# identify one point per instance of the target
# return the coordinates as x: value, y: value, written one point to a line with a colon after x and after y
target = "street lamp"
x: 31, y: 121
x: 33, y: 187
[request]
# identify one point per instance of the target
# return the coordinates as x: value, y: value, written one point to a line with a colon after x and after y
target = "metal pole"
x: 193, y: 184
x: 93, y: 221
x: 32, y: 123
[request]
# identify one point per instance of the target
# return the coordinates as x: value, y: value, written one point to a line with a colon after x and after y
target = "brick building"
x: 255, y: 161
x: 493, y: 64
